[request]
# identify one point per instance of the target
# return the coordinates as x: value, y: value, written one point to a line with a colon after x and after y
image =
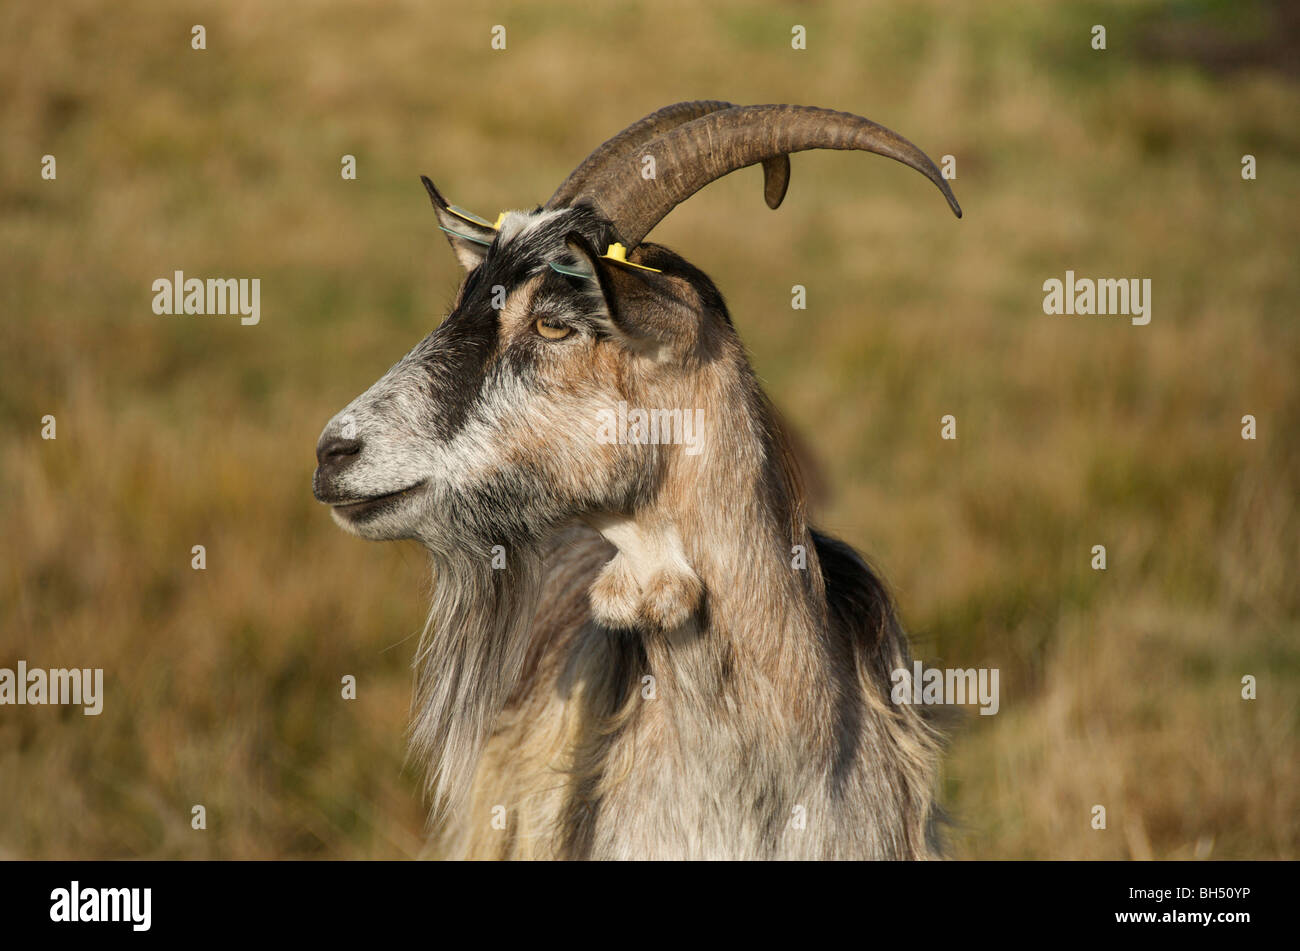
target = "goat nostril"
x: 335, y: 450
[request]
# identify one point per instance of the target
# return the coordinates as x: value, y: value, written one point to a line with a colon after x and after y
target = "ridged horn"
x: 690, y: 156
x: 614, y: 153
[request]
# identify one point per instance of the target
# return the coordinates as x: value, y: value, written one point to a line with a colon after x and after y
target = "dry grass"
x: 1119, y: 688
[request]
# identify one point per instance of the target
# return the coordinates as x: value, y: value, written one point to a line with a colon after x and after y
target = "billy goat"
x: 636, y: 648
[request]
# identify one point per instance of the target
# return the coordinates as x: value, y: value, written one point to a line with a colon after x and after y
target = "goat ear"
x: 640, y: 305
x: 469, y: 238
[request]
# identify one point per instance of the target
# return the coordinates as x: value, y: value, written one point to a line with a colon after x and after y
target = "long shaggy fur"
x: 671, y: 664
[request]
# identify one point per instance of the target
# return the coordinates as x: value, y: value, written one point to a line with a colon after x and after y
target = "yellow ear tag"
x: 618, y: 254
x: 472, y: 218
x: 500, y: 218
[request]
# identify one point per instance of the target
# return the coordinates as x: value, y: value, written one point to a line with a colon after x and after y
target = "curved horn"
x: 595, y: 167
x: 703, y: 150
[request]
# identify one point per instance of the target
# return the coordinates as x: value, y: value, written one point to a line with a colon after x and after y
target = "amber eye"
x: 551, y: 330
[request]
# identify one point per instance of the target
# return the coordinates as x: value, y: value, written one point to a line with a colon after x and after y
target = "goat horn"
x: 589, y: 175
x: 701, y: 151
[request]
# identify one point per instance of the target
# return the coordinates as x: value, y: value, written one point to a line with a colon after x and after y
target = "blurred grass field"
x: 1119, y: 688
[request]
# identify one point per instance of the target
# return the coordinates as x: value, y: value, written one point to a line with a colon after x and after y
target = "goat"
x: 634, y: 650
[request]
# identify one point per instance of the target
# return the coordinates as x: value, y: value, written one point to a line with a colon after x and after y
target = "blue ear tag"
x: 570, y: 272
x: 474, y: 220
x: 467, y: 237
x: 616, y: 253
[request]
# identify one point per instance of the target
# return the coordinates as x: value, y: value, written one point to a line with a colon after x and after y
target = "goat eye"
x: 552, y: 330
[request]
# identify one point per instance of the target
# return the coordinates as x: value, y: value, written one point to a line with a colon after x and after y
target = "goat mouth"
x: 359, y: 508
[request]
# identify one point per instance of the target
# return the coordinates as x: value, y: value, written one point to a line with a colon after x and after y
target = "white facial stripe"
x: 517, y: 223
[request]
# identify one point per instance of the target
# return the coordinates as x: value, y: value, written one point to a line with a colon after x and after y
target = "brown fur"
x: 766, y: 700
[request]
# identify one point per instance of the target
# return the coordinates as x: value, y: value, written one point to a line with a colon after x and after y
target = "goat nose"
x: 335, y: 451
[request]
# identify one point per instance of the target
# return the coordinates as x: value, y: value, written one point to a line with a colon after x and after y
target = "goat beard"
x: 468, y: 663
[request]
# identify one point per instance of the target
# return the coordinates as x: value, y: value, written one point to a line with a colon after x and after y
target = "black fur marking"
x: 457, y: 355
x: 456, y: 359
